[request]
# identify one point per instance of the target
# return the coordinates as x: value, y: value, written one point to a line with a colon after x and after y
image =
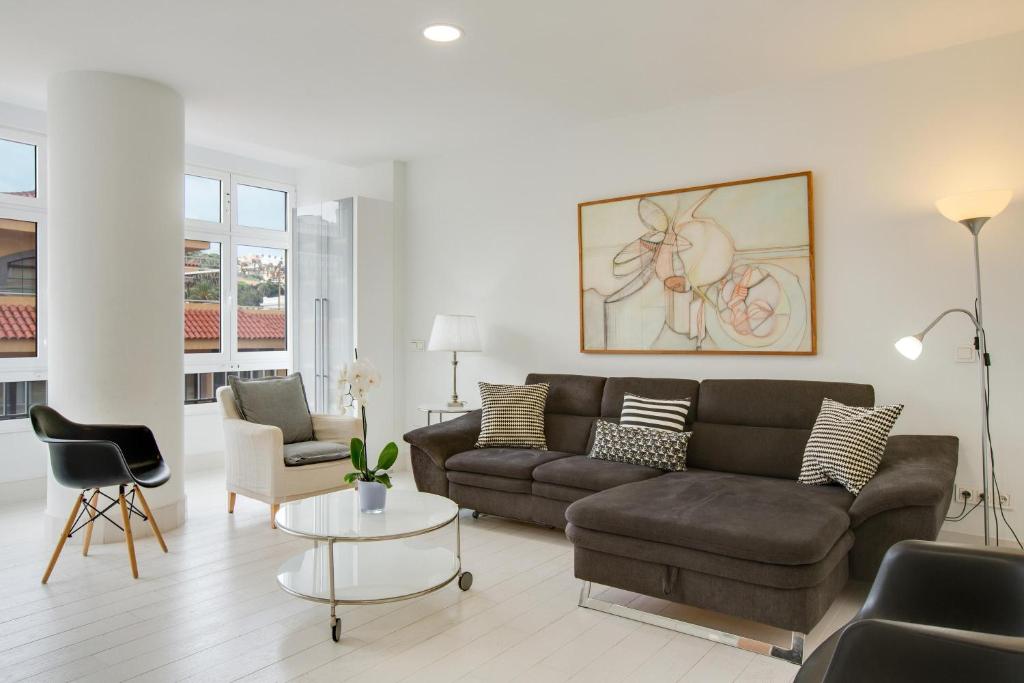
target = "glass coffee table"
x: 410, y: 549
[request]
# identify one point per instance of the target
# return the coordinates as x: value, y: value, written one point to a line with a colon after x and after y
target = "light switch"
x: 418, y: 345
x: 965, y: 354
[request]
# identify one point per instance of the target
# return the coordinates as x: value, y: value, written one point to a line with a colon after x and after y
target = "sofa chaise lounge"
x: 734, y: 533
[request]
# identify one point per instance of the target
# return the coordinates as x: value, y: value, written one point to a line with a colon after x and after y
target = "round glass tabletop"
x: 336, y: 516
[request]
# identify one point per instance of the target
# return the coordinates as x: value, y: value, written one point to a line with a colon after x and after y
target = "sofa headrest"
x: 792, y: 404
x: 571, y: 394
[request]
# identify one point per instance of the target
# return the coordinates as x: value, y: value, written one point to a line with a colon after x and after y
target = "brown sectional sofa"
x: 734, y: 533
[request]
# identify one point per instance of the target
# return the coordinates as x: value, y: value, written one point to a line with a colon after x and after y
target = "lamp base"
x: 456, y: 404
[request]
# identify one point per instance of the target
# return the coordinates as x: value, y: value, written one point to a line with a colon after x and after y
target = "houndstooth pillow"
x: 846, y: 444
x: 512, y: 416
x: 640, y: 446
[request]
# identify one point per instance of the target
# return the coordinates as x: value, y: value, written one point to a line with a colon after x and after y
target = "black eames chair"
x: 90, y: 457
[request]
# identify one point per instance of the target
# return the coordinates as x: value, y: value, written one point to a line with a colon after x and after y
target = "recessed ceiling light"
x: 442, y: 33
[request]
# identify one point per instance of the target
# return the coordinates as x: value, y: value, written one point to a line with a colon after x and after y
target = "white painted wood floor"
x: 211, y: 610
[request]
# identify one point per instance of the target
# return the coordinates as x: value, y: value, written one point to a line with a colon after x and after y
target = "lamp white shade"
x: 982, y: 204
x: 910, y: 347
x: 454, y: 333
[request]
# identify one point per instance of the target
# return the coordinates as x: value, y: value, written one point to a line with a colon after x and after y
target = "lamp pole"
x: 987, y: 489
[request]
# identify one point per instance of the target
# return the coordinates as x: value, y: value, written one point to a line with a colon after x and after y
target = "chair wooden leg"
x: 63, y: 538
x: 92, y: 520
x: 274, y: 507
x: 128, y: 533
x: 231, y: 502
x: 152, y: 519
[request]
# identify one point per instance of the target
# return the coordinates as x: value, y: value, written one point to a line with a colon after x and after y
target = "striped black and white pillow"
x: 656, y: 413
x: 657, y: 448
x: 846, y: 444
x: 512, y: 416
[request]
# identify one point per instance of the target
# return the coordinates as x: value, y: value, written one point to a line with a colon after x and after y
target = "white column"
x: 115, y: 347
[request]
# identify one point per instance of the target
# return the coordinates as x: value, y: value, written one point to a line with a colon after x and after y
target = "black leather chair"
x: 95, y: 456
x: 936, y: 612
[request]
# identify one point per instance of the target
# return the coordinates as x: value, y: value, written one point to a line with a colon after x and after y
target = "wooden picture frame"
x: 723, y: 268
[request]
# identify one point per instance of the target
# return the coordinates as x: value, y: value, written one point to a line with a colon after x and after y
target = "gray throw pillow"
x: 276, y: 401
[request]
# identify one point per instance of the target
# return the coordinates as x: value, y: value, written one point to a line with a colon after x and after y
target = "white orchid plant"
x: 357, y: 380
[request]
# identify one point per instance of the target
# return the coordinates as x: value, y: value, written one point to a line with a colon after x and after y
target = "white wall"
x: 494, y: 233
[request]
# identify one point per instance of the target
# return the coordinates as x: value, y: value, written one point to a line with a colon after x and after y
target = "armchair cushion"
x: 309, y: 452
x: 276, y: 401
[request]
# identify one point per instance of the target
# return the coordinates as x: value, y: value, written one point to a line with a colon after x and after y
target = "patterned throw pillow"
x: 846, y: 444
x: 640, y: 446
x: 512, y: 416
x: 656, y: 413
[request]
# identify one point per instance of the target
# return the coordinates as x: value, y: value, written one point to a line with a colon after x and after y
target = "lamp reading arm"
x: 912, y: 346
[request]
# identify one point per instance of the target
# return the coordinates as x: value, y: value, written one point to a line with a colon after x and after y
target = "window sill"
x: 15, y: 426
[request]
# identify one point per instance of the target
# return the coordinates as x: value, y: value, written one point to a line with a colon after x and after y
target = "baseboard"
x: 23, y: 490
x: 975, y: 539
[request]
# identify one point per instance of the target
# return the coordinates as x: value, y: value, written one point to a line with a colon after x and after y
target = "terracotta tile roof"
x: 17, y: 322
x: 260, y: 325
x: 205, y: 324
x: 202, y: 324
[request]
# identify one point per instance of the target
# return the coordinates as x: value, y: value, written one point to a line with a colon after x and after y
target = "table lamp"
x: 972, y: 210
x: 454, y: 333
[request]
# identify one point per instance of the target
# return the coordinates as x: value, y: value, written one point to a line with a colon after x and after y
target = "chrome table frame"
x: 794, y: 654
x: 465, y: 578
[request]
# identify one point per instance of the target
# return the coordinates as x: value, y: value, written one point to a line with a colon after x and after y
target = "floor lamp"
x: 972, y: 210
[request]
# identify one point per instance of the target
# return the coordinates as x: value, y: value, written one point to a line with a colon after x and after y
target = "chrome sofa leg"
x: 793, y: 654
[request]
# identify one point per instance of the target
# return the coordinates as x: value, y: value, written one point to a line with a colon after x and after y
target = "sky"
x: 17, y: 166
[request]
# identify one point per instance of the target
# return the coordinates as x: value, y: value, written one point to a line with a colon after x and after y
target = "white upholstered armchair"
x: 255, y: 457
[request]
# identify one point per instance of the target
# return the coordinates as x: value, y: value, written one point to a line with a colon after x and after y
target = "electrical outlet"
x: 973, y: 496
x: 965, y: 354
x: 1005, y: 501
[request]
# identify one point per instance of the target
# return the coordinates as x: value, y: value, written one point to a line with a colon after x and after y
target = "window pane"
x: 202, y: 296
x: 259, y: 207
x: 262, y: 299
x: 17, y: 168
x: 202, y: 199
x: 17, y: 288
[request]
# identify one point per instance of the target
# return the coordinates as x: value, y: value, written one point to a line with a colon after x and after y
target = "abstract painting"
x: 724, y: 268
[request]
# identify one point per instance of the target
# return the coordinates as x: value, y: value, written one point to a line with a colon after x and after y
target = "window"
x: 18, y: 330
x: 237, y: 255
x: 17, y: 397
x: 201, y: 387
x: 260, y: 207
x: 18, y: 172
x: 203, y: 199
x: 262, y: 299
x: 202, y: 296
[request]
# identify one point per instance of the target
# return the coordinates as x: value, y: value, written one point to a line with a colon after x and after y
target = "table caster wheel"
x: 476, y: 514
x: 465, y: 581
x: 336, y: 629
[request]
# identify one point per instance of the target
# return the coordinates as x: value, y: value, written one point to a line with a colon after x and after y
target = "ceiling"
x: 353, y: 81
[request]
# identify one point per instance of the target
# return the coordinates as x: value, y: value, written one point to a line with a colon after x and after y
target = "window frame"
x: 230, y: 236
x: 31, y: 367
x: 39, y: 141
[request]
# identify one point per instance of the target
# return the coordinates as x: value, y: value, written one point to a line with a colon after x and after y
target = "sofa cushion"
x: 309, y: 452
x: 651, y: 387
x: 754, y: 518
x: 568, y: 433
x: 276, y: 401
x: 584, y: 472
x: 793, y: 404
x: 760, y: 426
x: 763, y: 451
x: 563, y: 494
x: 516, y: 463
x: 571, y: 394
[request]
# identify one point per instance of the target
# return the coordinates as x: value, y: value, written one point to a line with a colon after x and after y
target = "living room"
x: 444, y: 225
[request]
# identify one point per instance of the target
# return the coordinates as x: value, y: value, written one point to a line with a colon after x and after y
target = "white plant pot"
x: 372, y: 496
